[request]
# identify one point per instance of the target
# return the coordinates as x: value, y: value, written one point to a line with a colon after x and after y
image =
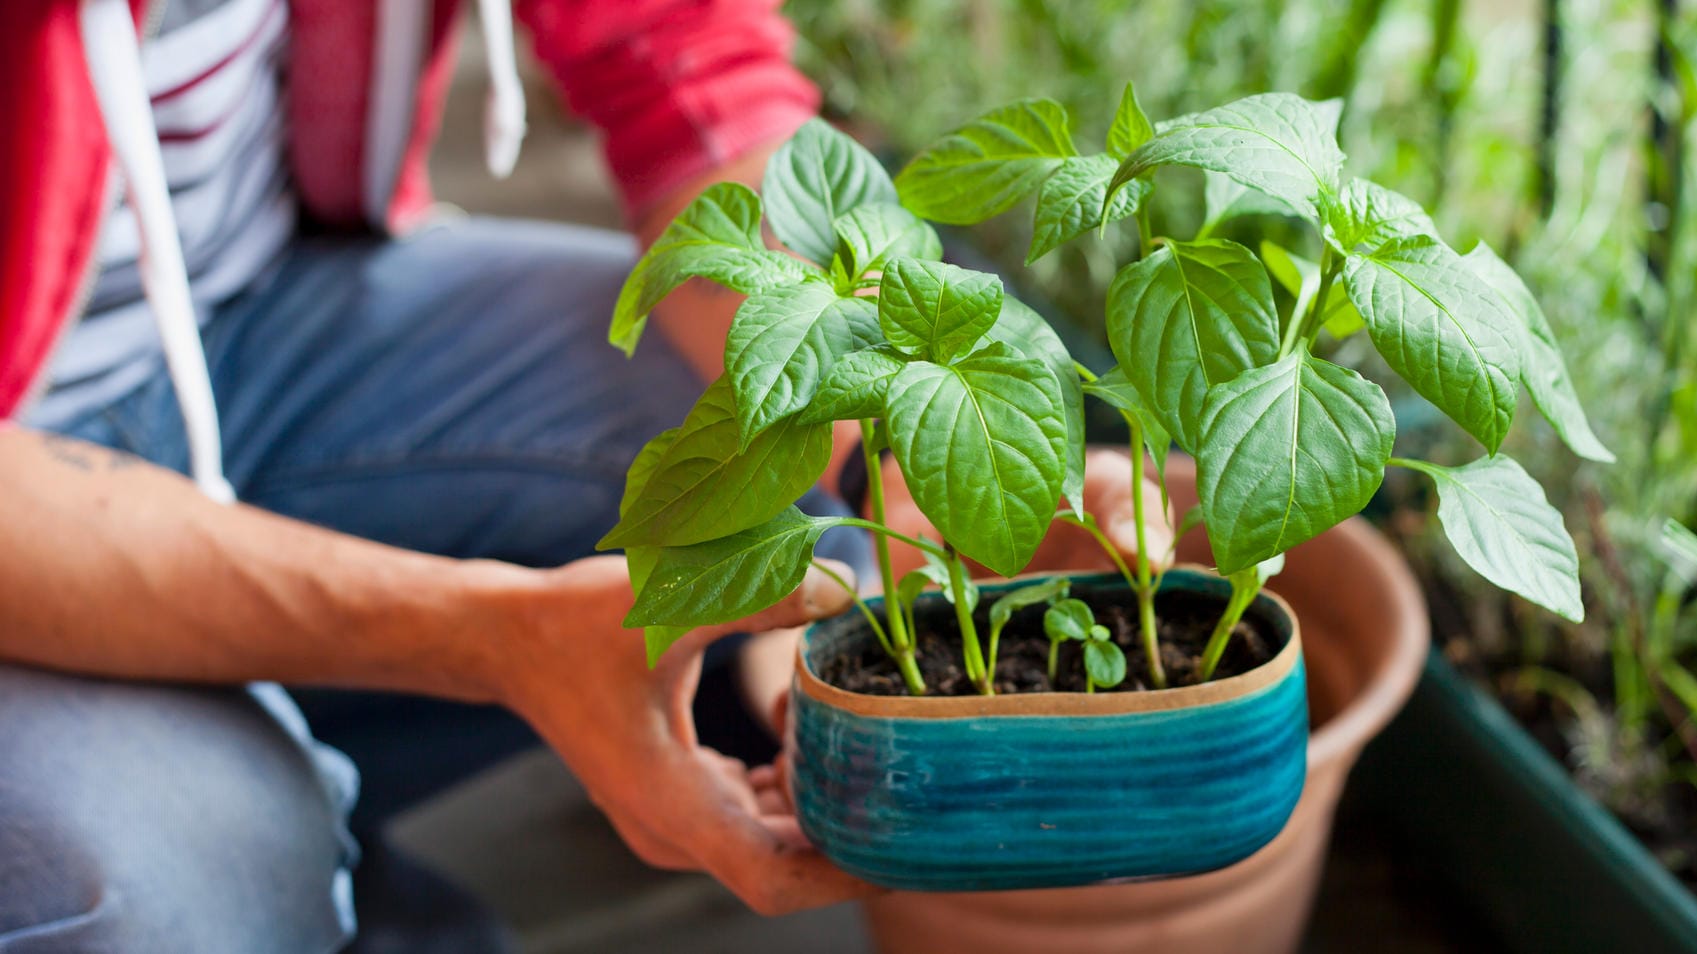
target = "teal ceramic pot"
x: 1048, y: 789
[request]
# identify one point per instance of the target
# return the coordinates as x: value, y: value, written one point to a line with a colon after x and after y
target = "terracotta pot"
x: 1364, y: 634
x: 1048, y: 789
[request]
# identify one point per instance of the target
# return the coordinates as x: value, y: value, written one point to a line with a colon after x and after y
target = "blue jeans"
x: 452, y: 393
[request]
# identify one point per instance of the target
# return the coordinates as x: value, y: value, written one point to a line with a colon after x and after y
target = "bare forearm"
x: 111, y: 566
x: 696, y: 318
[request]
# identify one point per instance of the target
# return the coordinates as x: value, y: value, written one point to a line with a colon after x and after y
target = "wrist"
x: 455, y: 630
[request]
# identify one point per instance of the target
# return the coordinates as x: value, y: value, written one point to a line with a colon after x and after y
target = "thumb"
x: 817, y: 597
x: 1157, y: 526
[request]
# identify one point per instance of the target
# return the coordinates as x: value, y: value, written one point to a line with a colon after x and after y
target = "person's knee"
x: 51, y: 891
x: 144, y: 819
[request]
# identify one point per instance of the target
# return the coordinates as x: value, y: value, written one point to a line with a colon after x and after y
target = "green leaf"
x: 1104, y: 663
x: 1288, y: 451
x: 1011, y: 602
x: 1301, y: 277
x: 983, y: 168
x: 716, y: 237
x: 1500, y: 523
x: 1341, y: 319
x: 1131, y: 127
x: 1190, y: 521
x: 855, y: 387
x: 1297, y: 275
x: 1443, y: 329
x: 1025, y: 331
x: 1071, y: 200
x: 642, y: 468
x: 872, y: 235
x: 1276, y: 143
x: 1116, y: 390
x: 912, y: 584
x: 1068, y: 619
x: 934, y: 310
x: 702, y: 487
x: 1188, y: 317
x: 1542, y: 369
x: 657, y: 639
x: 1679, y: 682
x: 982, y: 443
x: 1225, y: 198
x: 1366, y: 214
x: 1679, y: 548
x: 880, y: 438
x: 816, y: 177
x: 734, y: 576
x: 640, y: 561
x: 783, y: 341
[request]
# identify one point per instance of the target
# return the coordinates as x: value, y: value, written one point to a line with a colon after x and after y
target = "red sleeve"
x: 675, y: 86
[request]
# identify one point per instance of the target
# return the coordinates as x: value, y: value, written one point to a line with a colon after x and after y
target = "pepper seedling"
x: 1104, y: 661
x: 970, y: 391
x: 1287, y: 443
x: 981, y: 406
x: 1001, y: 612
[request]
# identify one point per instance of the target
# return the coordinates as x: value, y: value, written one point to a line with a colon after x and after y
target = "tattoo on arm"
x: 84, y: 456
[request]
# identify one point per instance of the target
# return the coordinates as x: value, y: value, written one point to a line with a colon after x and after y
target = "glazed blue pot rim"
x: 1267, y: 604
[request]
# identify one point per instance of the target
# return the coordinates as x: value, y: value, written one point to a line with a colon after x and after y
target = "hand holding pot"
x: 1107, y: 497
x: 626, y: 731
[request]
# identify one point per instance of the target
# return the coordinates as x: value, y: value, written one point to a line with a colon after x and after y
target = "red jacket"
x: 675, y: 87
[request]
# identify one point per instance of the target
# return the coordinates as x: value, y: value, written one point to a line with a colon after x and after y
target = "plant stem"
x: 1245, y: 584
x: 975, y: 668
x: 1112, y: 551
x: 1144, y: 583
x: 900, y: 642
x: 1302, y: 327
x: 866, y: 611
x: 1054, y: 658
x: 1145, y: 586
x: 1145, y: 234
x: 884, y: 531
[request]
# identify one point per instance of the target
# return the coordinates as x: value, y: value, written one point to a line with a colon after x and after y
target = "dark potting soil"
x: 1184, y: 621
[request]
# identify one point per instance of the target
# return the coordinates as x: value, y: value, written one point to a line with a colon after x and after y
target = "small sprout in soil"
x: 1067, y: 619
x: 1104, y: 660
x: 1001, y: 611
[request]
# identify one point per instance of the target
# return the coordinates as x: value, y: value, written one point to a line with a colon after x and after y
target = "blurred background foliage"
x: 1562, y: 132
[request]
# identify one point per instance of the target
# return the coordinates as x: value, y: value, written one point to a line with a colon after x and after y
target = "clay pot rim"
x: 1219, y: 691
x: 1392, y: 682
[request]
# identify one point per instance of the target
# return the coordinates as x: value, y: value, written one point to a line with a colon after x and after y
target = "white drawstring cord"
x: 503, y: 110
x: 114, y: 64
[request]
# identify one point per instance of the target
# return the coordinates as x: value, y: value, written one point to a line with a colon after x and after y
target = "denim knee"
x: 142, y: 819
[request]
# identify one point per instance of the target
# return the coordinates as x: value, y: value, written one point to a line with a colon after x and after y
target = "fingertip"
x: 824, y: 594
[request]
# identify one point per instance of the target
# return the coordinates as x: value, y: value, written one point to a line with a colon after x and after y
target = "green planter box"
x: 1466, y: 790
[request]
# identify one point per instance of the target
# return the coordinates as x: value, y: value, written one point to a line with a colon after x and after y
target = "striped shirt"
x: 214, y: 73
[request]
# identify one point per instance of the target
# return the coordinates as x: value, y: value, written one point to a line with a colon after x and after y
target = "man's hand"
x: 627, y: 733
x: 114, y: 567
